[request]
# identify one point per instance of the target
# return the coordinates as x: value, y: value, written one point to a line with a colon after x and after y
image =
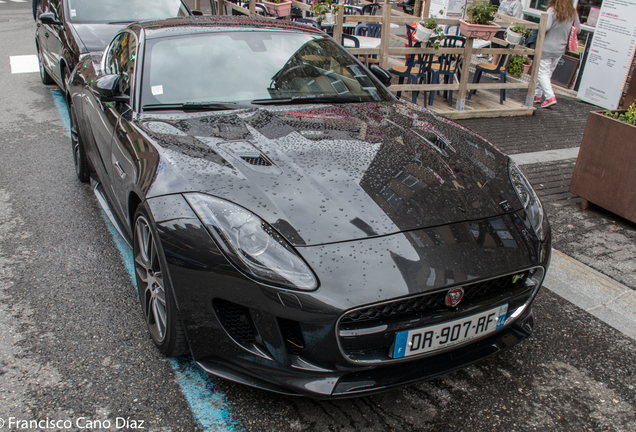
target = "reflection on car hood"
x: 322, y: 174
x: 96, y: 37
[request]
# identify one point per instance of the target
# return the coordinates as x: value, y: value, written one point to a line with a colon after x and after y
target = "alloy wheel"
x: 150, y: 280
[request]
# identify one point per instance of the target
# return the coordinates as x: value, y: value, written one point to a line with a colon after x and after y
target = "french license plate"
x: 427, y: 339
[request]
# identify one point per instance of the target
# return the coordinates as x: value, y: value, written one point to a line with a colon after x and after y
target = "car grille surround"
x: 366, y: 334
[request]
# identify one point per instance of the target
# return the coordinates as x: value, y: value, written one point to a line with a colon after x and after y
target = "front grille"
x: 432, y: 302
x: 236, y: 321
x: 368, y: 334
x: 258, y: 161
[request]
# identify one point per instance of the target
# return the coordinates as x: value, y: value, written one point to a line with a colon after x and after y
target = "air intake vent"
x: 258, y: 161
x: 293, y: 336
x: 236, y: 320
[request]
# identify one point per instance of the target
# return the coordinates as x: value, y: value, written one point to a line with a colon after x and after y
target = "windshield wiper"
x: 308, y: 99
x: 122, y: 22
x: 192, y: 106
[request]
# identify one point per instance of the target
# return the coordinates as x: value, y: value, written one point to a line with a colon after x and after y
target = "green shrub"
x: 627, y: 117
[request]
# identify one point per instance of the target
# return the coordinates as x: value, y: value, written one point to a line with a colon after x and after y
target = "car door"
x: 123, y: 163
x: 53, y: 48
x: 103, y: 116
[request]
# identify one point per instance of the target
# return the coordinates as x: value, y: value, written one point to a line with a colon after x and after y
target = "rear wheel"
x: 155, y: 292
x: 79, y: 155
x: 44, y: 75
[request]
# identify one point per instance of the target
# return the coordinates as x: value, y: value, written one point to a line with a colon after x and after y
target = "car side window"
x: 121, y: 59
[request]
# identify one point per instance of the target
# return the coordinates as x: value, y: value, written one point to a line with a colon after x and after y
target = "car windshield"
x: 122, y: 11
x: 258, y: 67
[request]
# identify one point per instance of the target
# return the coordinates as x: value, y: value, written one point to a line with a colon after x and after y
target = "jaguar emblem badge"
x: 454, y: 296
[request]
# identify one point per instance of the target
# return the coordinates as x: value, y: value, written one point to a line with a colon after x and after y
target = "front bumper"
x: 291, y: 341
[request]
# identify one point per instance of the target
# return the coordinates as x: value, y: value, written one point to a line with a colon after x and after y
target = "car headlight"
x: 529, y: 200
x: 251, y: 244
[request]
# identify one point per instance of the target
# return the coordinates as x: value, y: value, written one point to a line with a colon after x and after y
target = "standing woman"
x: 561, y: 17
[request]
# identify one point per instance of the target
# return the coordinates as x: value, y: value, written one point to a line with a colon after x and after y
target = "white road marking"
x: 24, y: 63
x: 545, y: 156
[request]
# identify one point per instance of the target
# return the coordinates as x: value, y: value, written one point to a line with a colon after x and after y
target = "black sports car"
x: 67, y: 29
x: 294, y: 226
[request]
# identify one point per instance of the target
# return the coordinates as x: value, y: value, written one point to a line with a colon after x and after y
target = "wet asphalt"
x: 73, y: 341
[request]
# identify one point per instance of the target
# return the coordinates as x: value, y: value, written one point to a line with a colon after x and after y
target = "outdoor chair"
x: 308, y: 21
x: 414, y: 69
x: 368, y: 29
x: 499, y: 68
x: 447, y: 65
x: 370, y: 8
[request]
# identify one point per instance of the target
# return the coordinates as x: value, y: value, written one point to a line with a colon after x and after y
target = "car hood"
x: 325, y: 174
x: 95, y: 37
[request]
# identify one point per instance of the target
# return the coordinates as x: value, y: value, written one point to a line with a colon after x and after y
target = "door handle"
x: 120, y: 170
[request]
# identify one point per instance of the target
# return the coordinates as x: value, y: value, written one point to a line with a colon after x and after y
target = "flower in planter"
x: 628, y: 117
x: 481, y: 12
x: 322, y: 7
x: 437, y: 30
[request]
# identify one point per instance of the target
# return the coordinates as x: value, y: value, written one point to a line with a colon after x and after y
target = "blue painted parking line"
x: 208, y: 405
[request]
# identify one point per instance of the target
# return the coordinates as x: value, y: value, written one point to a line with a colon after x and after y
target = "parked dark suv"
x: 66, y: 29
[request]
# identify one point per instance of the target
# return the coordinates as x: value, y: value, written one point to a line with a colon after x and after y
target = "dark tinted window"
x: 117, y: 11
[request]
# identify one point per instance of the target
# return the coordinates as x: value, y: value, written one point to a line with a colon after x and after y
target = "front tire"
x: 79, y: 154
x: 155, y: 291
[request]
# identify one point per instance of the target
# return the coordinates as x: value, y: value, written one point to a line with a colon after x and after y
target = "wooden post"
x: 197, y: 4
x: 337, y: 30
x: 534, y: 70
x: 426, y: 9
x: 252, y: 8
x: 417, y: 7
x: 463, y: 82
x: 385, y: 35
x: 220, y: 7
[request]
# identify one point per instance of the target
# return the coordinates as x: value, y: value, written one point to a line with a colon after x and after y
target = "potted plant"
x: 515, y: 65
x: 604, y: 173
x: 515, y: 33
x: 480, y: 23
x: 325, y: 10
x: 279, y: 8
x: 518, y: 65
x: 527, y: 64
x: 428, y: 28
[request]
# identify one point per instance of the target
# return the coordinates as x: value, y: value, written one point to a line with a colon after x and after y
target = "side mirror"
x: 49, y: 18
x: 196, y: 12
x: 382, y: 74
x: 107, y: 88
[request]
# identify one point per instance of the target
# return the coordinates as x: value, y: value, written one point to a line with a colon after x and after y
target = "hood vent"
x: 256, y: 161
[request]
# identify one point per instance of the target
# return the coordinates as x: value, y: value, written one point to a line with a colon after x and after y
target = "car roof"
x: 190, y: 25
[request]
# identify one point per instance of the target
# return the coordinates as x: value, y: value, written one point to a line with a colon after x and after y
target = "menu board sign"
x: 611, y: 54
x: 450, y: 8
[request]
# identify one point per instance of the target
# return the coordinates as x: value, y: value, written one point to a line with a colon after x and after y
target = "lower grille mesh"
x: 236, y: 320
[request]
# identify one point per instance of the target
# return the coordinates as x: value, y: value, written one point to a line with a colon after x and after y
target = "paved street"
x: 73, y: 342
